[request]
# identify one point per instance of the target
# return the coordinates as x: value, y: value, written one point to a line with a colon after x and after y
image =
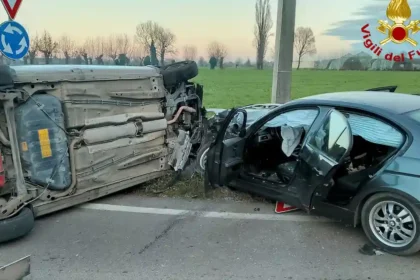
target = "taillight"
x: 2, y: 174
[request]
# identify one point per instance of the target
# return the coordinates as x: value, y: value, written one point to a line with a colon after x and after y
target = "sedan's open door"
x: 321, y: 155
x: 224, y: 158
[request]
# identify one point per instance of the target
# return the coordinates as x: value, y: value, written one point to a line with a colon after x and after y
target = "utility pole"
x: 285, y: 33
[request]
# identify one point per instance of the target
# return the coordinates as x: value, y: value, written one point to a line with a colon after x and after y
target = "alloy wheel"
x: 203, y: 159
x: 392, y: 223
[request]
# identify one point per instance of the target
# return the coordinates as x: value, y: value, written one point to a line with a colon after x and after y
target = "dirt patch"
x: 174, y: 185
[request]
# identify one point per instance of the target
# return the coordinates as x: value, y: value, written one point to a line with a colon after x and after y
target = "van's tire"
x: 178, y: 72
x: 17, y: 226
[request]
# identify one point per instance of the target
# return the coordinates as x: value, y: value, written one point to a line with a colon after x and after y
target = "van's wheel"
x: 17, y: 226
x: 178, y: 72
x: 391, y: 222
x: 201, y: 159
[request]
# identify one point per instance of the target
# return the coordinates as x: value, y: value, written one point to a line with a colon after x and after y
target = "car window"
x: 235, y: 125
x: 375, y: 131
x: 301, y: 117
x: 334, y: 137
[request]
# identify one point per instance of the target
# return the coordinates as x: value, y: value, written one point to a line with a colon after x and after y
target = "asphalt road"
x: 208, y: 242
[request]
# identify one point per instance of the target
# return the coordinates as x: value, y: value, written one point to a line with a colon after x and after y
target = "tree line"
x: 152, y: 43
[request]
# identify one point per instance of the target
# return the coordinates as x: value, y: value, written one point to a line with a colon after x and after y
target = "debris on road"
x: 190, y: 187
x: 369, y: 250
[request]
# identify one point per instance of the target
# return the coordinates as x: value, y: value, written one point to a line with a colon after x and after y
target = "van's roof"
x: 74, y: 73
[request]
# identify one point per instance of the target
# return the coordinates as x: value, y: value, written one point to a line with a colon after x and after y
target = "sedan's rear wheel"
x: 391, y: 222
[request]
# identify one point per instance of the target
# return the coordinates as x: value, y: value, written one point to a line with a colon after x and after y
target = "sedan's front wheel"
x: 391, y: 222
x: 202, y: 157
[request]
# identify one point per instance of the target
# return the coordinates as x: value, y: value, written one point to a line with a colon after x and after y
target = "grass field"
x: 233, y: 87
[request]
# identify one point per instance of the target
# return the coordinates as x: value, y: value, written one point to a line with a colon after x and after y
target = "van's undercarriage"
x: 72, y: 134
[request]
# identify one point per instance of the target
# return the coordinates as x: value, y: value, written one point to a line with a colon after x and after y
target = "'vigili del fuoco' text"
x: 377, y: 50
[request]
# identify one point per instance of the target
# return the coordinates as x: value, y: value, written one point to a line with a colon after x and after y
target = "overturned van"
x: 70, y: 134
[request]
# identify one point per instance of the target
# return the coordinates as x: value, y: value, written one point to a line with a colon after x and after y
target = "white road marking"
x: 205, y: 214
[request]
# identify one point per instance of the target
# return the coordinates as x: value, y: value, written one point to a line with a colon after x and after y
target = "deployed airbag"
x: 291, y: 138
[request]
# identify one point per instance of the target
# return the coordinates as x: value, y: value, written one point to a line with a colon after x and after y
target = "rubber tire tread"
x: 178, y: 72
x: 17, y: 226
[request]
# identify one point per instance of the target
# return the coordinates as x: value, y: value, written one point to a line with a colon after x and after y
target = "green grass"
x: 234, y: 87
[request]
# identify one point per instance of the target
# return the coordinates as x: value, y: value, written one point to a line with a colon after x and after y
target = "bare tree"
x: 84, y: 54
x: 111, y: 47
x: 124, y: 49
x: 66, y: 46
x: 77, y: 54
x: 165, y: 41
x: 47, y: 46
x: 217, y: 50
x: 138, y: 51
x: 87, y: 50
x: 33, y: 50
x: 123, y: 44
x: 99, y: 48
x: 304, y: 43
x: 147, y: 32
x: 190, y: 52
x: 263, y: 25
x: 115, y: 47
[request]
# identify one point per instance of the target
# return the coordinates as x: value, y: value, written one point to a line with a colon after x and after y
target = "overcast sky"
x: 336, y: 23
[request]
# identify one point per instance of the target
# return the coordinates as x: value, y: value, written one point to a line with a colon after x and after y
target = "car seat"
x: 285, y: 171
x: 352, y: 181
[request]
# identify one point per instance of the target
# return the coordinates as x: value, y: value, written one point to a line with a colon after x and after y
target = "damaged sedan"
x: 70, y: 134
x: 352, y: 156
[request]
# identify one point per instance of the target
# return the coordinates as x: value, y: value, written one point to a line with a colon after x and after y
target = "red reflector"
x: 282, y: 207
x: 2, y: 175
